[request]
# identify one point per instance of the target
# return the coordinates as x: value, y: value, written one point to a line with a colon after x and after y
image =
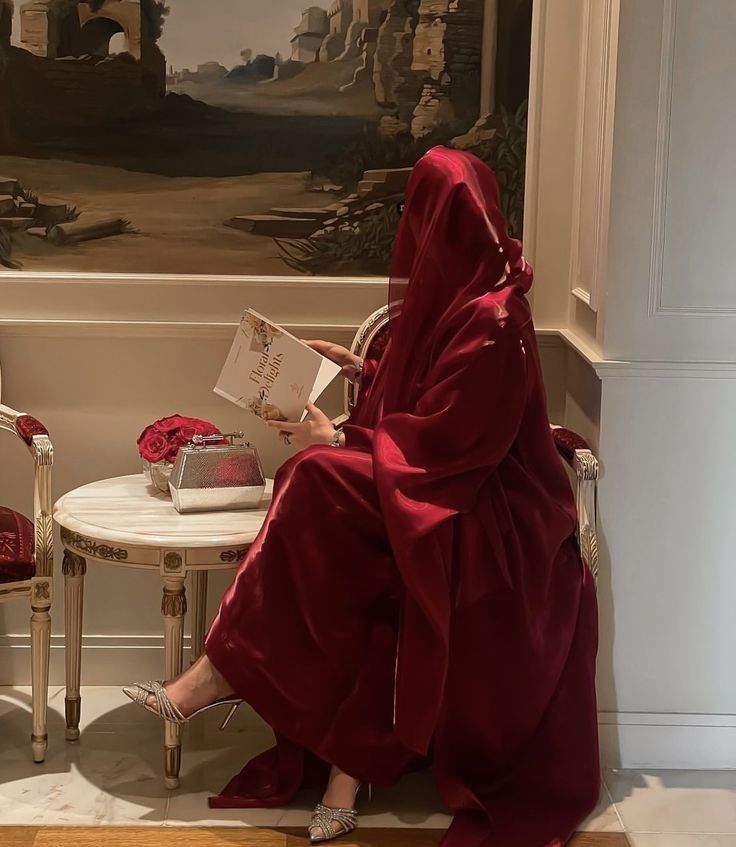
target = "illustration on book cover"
x: 262, y: 333
x: 271, y: 373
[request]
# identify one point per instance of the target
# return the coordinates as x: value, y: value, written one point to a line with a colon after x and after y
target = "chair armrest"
x: 575, y: 451
x: 24, y: 426
x: 36, y: 437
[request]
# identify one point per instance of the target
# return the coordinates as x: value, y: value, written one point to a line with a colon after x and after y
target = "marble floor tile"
x: 103, y: 706
x: 675, y: 801
x: 209, y: 760
x: 107, y: 781
x: 111, y: 776
x: 604, y: 817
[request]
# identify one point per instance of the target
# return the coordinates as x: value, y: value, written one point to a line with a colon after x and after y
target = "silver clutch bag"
x: 209, y: 476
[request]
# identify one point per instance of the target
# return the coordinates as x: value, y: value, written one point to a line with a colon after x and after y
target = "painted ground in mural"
x: 194, y: 137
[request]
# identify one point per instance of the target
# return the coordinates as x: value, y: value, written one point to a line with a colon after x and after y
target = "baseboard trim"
x: 106, y: 659
x: 668, y: 741
x: 628, y: 739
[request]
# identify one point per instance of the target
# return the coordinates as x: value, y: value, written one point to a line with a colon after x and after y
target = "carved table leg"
x: 199, y: 613
x: 174, y: 607
x: 40, y: 647
x: 74, y: 569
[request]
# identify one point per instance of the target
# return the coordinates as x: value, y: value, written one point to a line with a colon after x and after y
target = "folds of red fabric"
x: 419, y: 595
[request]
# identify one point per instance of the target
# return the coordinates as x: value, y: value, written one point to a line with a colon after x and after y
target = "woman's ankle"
x: 341, y: 790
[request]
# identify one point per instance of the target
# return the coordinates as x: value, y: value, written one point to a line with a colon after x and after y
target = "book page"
x: 328, y: 370
x: 272, y: 373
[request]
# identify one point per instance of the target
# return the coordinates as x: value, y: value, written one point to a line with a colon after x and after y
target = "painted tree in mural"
x: 242, y: 161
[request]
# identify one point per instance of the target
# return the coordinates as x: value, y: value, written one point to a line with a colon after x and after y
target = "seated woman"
x: 417, y: 595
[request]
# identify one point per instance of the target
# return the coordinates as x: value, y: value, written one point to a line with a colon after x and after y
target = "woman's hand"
x: 349, y: 362
x: 316, y: 428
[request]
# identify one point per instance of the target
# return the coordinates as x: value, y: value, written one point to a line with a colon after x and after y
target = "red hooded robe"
x: 420, y: 595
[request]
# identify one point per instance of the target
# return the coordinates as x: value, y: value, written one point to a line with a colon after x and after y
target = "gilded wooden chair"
x: 27, y: 562
x: 370, y: 342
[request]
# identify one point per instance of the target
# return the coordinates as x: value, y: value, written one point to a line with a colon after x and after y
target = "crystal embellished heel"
x: 327, y: 823
x: 166, y: 709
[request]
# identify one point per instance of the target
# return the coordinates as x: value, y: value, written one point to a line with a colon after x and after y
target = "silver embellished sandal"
x: 328, y: 824
x: 166, y: 709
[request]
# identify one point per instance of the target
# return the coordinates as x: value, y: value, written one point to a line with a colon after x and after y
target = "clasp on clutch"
x: 204, y: 440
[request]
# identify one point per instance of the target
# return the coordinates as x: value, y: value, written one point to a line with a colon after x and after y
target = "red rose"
x: 173, y: 452
x: 187, y: 432
x: 169, y: 424
x: 153, y: 445
x: 164, y: 438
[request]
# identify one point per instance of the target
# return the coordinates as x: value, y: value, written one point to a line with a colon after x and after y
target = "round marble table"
x: 127, y: 522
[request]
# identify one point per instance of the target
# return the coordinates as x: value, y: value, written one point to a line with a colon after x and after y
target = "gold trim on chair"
x: 39, y: 589
x: 361, y: 343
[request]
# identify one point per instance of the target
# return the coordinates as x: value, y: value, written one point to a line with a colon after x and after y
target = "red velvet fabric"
x: 419, y: 596
x: 378, y: 344
x: 16, y: 547
x: 567, y: 442
x: 27, y: 426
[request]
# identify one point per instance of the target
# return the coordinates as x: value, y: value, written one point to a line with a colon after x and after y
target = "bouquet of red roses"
x: 162, y: 440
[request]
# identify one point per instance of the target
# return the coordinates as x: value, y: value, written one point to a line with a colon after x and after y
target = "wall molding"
x: 662, y: 156
x: 656, y: 304
x: 589, y: 291
x: 534, y: 129
x: 652, y: 369
x: 152, y: 329
x: 106, y: 659
x: 667, y: 741
x: 67, y: 298
x: 193, y: 279
x: 547, y: 337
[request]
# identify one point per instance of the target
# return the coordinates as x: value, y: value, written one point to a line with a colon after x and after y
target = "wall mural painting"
x: 228, y: 137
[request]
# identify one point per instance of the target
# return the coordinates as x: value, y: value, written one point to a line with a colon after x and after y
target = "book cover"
x: 271, y: 372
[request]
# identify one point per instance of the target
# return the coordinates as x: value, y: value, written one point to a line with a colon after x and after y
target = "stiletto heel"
x: 166, y: 709
x: 230, y: 713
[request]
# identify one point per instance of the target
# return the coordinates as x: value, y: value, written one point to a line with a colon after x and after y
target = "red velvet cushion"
x: 16, y: 547
x: 27, y: 426
x: 567, y: 442
x: 378, y: 345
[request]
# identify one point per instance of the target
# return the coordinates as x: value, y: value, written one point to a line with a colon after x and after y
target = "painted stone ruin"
x: 423, y: 60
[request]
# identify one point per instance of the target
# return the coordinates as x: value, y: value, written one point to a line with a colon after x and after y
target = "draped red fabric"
x: 419, y: 596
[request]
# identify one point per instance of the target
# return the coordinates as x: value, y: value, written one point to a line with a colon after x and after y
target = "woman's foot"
x: 199, y: 686
x: 335, y: 815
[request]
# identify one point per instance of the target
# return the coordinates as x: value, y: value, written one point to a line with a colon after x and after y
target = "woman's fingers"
x: 315, y: 413
x: 335, y: 352
x: 283, y: 426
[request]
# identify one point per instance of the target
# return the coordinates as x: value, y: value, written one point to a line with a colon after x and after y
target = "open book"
x: 271, y: 372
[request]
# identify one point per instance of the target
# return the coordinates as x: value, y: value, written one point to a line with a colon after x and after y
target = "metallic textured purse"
x: 209, y: 476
